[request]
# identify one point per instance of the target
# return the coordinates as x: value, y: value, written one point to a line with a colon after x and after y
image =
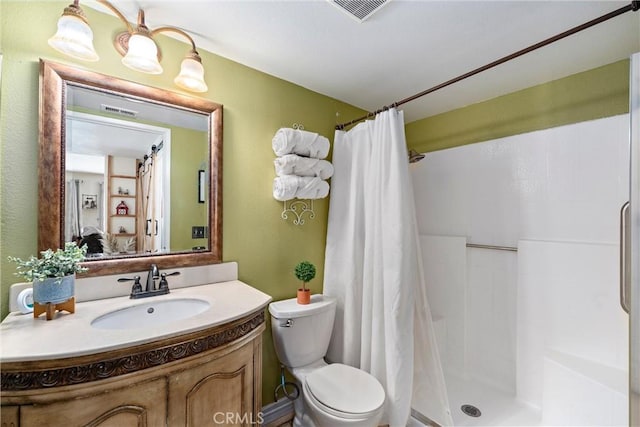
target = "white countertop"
x: 23, y: 338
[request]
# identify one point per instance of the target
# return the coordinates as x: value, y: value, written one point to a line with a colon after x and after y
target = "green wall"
x: 189, y: 149
x: 590, y: 95
x: 256, y: 105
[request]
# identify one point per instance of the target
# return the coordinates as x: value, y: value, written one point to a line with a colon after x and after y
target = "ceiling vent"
x: 117, y: 110
x: 359, y: 10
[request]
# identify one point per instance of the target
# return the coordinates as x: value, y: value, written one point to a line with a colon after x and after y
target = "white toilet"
x: 333, y: 395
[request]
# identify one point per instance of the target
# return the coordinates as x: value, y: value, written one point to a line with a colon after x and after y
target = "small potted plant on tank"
x: 305, y: 271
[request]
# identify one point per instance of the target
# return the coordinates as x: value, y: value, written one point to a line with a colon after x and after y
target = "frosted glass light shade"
x: 142, y: 55
x: 191, y: 76
x: 74, y: 38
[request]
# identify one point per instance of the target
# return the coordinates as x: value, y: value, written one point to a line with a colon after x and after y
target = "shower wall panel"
x: 445, y: 266
x: 491, y: 318
x: 562, y: 186
x: 568, y: 304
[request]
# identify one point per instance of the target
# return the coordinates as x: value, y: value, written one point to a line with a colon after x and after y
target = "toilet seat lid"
x: 346, y: 389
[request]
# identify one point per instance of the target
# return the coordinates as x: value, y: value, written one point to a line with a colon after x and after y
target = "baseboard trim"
x: 277, y: 413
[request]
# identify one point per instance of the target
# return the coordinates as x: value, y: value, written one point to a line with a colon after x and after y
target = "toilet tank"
x: 301, y: 333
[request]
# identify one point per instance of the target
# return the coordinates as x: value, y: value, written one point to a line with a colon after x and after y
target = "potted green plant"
x: 53, y: 274
x: 305, y: 271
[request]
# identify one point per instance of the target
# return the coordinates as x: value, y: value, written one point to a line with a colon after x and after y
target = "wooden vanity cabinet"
x: 142, y: 404
x: 217, y: 392
x: 218, y: 386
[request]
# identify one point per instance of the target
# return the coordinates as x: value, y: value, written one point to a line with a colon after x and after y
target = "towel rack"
x: 497, y: 248
x: 298, y: 208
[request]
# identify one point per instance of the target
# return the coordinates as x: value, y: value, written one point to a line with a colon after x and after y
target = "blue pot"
x: 54, y: 290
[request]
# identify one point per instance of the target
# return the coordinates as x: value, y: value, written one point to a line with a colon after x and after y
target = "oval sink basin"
x: 151, y: 314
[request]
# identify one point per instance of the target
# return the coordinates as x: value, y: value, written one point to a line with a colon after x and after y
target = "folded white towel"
x: 285, y: 187
x: 292, y: 164
x: 303, y: 143
x: 289, y: 187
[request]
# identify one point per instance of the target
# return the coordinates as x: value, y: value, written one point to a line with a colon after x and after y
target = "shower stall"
x: 520, y: 242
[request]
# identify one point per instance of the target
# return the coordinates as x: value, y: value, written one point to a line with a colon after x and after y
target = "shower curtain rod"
x: 633, y: 6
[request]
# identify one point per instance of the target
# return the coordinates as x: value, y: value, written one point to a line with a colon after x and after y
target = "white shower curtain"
x: 73, y: 218
x: 372, y: 267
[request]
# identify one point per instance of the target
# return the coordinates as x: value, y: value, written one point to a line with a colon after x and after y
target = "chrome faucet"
x: 152, y: 276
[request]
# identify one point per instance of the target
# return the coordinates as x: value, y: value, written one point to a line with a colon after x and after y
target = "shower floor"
x: 497, y: 407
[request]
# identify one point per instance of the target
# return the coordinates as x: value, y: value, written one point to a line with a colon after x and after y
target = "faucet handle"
x: 135, y: 279
x: 163, y: 279
x: 136, y: 288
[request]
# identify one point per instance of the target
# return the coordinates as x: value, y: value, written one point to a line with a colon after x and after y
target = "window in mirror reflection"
x: 137, y: 162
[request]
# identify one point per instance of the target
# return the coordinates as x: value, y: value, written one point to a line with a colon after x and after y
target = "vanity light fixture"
x: 137, y: 46
x: 74, y: 36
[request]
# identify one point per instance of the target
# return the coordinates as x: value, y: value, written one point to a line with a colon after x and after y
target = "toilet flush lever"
x: 287, y: 324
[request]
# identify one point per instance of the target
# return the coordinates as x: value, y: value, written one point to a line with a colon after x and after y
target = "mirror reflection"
x: 134, y: 175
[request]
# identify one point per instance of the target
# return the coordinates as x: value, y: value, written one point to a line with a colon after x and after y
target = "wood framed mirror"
x: 66, y: 136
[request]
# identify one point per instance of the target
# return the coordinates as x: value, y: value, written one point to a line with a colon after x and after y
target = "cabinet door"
x: 140, y: 405
x: 9, y: 416
x: 218, y: 392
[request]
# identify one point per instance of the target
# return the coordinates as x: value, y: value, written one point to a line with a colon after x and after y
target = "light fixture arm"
x: 141, y: 23
x: 120, y: 15
x: 122, y: 39
x: 179, y: 31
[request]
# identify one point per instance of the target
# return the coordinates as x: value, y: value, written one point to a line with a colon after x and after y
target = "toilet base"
x: 307, y: 415
x: 302, y: 418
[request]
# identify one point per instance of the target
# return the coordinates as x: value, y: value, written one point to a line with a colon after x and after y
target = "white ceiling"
x: 404, y: 48
x: 105, y: 134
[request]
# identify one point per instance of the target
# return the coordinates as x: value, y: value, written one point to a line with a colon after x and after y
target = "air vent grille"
x: 117, y: 110
x: 359, y: 9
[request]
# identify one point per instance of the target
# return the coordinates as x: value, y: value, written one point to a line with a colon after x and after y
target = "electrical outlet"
x: 198, y: 232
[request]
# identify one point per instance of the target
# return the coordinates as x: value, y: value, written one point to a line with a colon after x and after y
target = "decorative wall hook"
x: 298, y: 126
x: 298, y: 208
